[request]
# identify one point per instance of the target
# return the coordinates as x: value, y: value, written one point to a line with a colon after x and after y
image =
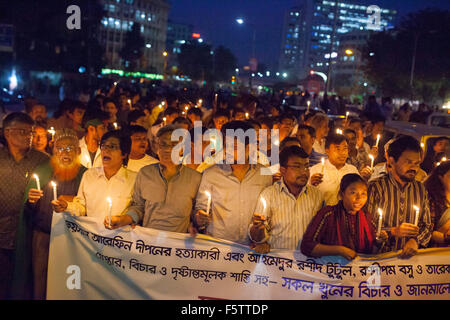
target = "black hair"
x: 334, y: 138
x: 17, y: 117
x: 94, y: 115
x: 134, y: 115
x: 109, y: 100
x: 287, y: 140
x: 347, y: 131
x: 221, y: 113
x: 170, y: 110
x: 182, y: 120
x: 311, y: 130
x: 130, y: 130
x: 291, y: 151
x: 196, y: 111
x: 375, y: 118
x: 349, y: 179
x: 287, y: 115
x: 402, y: 144
x: 124, y: 142
x: 236, y: 125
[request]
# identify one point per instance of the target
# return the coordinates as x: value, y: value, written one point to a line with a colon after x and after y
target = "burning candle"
x: 346, y: 116
x: 416, y: 220
x: 378, y: 140
x: 115, y: 126
x: 323, y: 164
x: 208, y: 205
x: 380, y: 222
x: 55, y: 194
x: 165, y: 120
x: 52, y: 131
x: 246, y: 115
x: 37, y: 181
x: 308, y: 103
x: 373, y: 158
x: 109, y: 210
x: 264, y: 203
x: 215, y: 99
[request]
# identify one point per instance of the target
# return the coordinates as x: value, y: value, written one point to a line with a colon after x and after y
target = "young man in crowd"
x: 234, y: 187
x: 327, y: 177
x: 139, y: 145
x: 286, y: 208
x: 307, y: 136
x: 89, y: 144
x: 396, y: 194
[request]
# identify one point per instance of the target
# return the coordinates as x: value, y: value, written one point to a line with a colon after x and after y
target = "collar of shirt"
x: 330, y: 166
x: 392, y: 180
x: 226, y: 168
x: 161, y: 168
x: 282, y: 187
x: 122, y: 174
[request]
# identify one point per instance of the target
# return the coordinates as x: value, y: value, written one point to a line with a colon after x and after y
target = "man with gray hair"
x: 33, y: 236
x: 17, y: 162
x: 164, y: 192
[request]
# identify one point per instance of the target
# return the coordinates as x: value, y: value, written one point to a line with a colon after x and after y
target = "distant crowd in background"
x: 342, y: 185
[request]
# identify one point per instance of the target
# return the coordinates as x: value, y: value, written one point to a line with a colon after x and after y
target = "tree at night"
x: 389, y: 57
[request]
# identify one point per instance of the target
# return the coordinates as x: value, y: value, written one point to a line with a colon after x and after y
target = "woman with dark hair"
x: 438, y: 188
x: 435, y: 146
x: 344, y: 229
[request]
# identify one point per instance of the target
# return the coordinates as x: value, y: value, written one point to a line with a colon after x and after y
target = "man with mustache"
x: 327, y: 177
x: 286, y: 208
x: 396, y: 194
x: 33, y: 237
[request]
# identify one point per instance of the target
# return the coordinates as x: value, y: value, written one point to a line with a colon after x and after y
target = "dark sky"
x: 215, y: 21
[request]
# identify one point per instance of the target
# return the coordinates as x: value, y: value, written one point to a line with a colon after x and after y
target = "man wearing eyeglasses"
x: 112, y: 181
x: 285, y: 209
x: 33, y: 236
x: 17, y: 162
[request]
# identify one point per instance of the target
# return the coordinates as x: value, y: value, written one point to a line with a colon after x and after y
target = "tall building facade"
x: 120, y: 15
x: 310, y: 27
x: 177, y: 35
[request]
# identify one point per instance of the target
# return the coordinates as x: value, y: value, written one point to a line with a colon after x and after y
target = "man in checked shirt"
x: 401, y: 197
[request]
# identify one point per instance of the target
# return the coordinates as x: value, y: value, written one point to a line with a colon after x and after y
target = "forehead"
x: 66, y: 142
x: 358, y: 185
x: 112, y: 140
x: 303, y: 132
x: 296, y: 159
x: 410, y: 155
x: 16, y: 124
x: 39, y: 107
x: 339, y: 145
x: 39, y: 130
x: 139, y: 134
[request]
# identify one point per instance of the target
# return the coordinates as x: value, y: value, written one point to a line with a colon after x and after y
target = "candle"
x: 416, y: 220
x: 264, y: 203
x: 55, y: 195
x: 37, y: 181
x: 246, y: 115
x: 109, y: 210
x: 323, y: 163
x: 380, y: 222
x: 373, y: 158
x: 378, y: 140
x: 164, y: 119
x: 115, y: 125
x: 52, y: 131
x: 307, y: 104
x: 346, y: 116
x: 215, y: 99
x: 208, y: 205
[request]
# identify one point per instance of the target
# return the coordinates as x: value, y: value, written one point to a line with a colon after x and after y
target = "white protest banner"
x: 88, y: 261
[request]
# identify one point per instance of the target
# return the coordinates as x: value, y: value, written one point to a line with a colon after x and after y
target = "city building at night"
x: 120, y: 15
x: 309, y: 28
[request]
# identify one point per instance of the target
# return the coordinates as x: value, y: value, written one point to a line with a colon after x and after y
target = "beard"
x: 408, y: 179
x: 62, y: 172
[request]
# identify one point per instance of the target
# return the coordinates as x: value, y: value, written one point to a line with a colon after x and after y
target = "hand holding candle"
x: 372, y: 160
x: 55, y: 194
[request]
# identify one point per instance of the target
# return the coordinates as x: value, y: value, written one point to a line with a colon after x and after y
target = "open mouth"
x: 106, y: 158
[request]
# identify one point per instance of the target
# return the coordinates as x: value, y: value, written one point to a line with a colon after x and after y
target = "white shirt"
x: 319, y: 146
x: 288, y: 216
x: 95, y: 188
x: 136, y: 165
x: 85, y: 156
x: 331, y: 180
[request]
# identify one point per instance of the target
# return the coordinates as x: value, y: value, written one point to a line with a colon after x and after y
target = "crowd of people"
x: 115, y: 153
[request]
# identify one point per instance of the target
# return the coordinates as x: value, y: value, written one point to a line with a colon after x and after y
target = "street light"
x: 349, y: 52
x: 240, y: 20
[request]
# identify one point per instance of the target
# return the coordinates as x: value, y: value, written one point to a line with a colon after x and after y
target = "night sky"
x: 215, y: 21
